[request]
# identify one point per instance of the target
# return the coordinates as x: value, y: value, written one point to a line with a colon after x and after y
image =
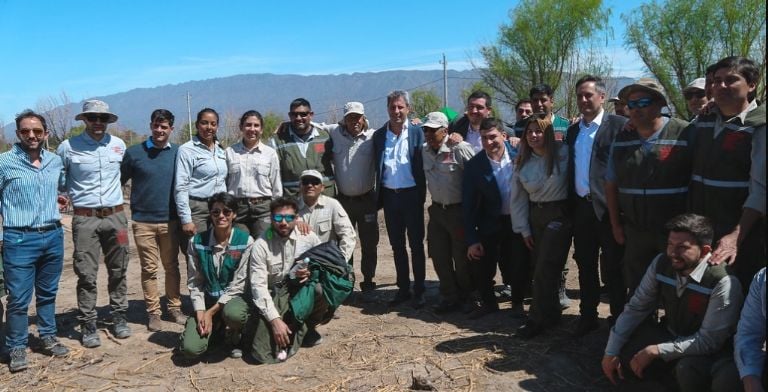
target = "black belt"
x: 545, y: 204
x: 205, y: 199
x: 446, y: 206
x: 358, y: 197
x: 587, y: 197
x: 41, y: 229
x: 400, y: 190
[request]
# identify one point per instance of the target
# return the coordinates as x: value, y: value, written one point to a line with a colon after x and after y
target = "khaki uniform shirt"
x: 330, y: 222
x: 353, y: 161
x: 444, y: 170
x: 253, y: 173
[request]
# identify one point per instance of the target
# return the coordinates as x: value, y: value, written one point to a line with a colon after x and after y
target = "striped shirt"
x: 27, y: 193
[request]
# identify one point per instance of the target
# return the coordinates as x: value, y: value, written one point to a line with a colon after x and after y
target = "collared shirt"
x: 330, y: 222
x: 646, y: 146
x: 254, y: 172
x: 150, y: 144
x: 531, y: 183
x: 28, y: 194
x: 719, y: 320
x: 583, y: 153
x: 721, y: 123
x: 502, y: 171
x: 397, y: 165
x: 269, y: 261
x: 196, y: 281
x: 474, y: 139
x: 750, y: 335
x: 93, y: 170
x: 302, y: 144
x: 200, y: 173
x: 444, y: 170
x: 354, y: 161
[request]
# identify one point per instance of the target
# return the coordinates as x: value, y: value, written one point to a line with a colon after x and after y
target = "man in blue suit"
x: 488, y: 227
x: 401, y: 190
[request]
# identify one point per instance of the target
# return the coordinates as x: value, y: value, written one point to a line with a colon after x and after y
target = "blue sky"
x: 98, y: 48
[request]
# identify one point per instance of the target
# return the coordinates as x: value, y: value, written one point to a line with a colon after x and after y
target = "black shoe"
x: 418, y: 301
x: 447, y: 307
x: 120, y: 327
x: 366, y: 286
x: 585, y: 325
x: 89, y: 335
x: 400, y: 297
x: 53, y: 347
x: 529, y: 330
x: 312, y: 338
x: 18, y: 359
x: 517, y: 311
x: 504, y: 293
x: 482, y: 311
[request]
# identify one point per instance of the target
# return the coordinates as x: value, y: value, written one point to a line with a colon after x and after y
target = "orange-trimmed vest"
x: 685, y: 314
x: 653, y: 183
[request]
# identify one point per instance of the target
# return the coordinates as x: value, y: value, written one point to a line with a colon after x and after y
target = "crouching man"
x: 292, y: 298
x: 217, y: 273
x: 701, y: 304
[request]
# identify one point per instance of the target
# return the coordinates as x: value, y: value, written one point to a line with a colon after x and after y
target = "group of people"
x: 659, y: 209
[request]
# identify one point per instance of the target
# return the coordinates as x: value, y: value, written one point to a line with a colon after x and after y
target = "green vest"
x: 292, y: 162
x: 215, y: 284
x: 653, y: 184
x: 684, y: 315
x: 720, y: 180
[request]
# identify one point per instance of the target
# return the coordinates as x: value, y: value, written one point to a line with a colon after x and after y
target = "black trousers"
x: 591, y: 238
x: 506, y: 249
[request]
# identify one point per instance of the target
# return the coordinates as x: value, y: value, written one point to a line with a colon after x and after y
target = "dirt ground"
x: 368, y: 348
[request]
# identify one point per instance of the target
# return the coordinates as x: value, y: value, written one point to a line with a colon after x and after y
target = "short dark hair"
x: 225, y: 198
x: 299, y: 102
x: 29, y: 113
x: 540, y: 89
x: 399, y: 94
x: 741, y: 65
x: 251, y: 113
x: 700, y: 227
x: 160, y: 115
x: 599, y: 83
x: 480, y: 94
x: 522, y: 101
x: 281, y: 202
x: 490, y: 123
x: 204, y: 111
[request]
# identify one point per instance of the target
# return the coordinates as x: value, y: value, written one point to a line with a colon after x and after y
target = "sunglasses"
x: 94, y: 117
x: 299, y: 114
x: 691, y: 94
x: 37, y: 132
x: 310, y: 181
x: 217, y: 211
x: 640, y: 103
x: 288, y: 218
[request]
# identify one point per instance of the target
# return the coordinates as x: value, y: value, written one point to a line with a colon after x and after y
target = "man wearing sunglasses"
x: 646, y: 182
x: 695, y: 97
x: 301, y: 146
x: 92, y: 164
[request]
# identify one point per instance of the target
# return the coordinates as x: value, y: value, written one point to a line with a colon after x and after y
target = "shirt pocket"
x: 234, y: 167
x: 263, y: 170
x: 324, y: 226
x: 85, y: 163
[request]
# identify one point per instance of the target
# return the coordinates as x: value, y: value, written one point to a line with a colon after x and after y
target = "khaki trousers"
x: 158, y: 243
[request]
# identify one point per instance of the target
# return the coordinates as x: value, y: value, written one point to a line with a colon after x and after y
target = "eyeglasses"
x: 38, y: 132
x: 100, y: 117
x: 691, y: 94
x: 640, y: 103
x: 307, y: 181
x: 217, y: 211
x: 288, y: 218
x: 299, y: 114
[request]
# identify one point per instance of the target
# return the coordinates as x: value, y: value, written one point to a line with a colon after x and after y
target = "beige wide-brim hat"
x: 646, y: 85
x: 94, y: 106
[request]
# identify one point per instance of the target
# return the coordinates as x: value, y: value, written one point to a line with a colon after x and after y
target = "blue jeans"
x: 32, y: 260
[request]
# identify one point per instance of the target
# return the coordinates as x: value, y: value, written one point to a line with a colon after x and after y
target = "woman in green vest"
x: 216, y: 281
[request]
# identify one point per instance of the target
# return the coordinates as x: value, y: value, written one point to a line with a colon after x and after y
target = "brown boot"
x: 176, y: 316
x: 154, y: 324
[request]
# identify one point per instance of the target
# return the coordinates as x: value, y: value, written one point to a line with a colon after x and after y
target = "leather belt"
x: 102, y: 212
x: 544, y: 204
x: 446, y: 206
x: 41, y: 229
x: 400, y: 190
x: 205, y: 199
x: 358, y: 197
x: 254, y: 200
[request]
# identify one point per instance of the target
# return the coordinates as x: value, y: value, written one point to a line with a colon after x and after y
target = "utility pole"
x: 445, y: 81
x: 189, y: 116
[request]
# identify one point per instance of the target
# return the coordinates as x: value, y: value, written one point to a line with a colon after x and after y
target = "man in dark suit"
x: 401, y: 190
x: 589, y: 142
x: 488, y: 227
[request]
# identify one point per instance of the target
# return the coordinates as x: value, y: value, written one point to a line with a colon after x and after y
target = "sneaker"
x: 312, y: 338
x: 177, y: 316
x: 18, y: 359
x: 53, y: 347
x: 154, y: 324
x: 400, y: 297
x: 504, y: 293
x: 236, y: 353
x: 89, y: 335
x: 120, y: 327
x: 565, y: 302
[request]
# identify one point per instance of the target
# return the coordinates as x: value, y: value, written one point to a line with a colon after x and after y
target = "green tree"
x: 539, y: 44
x: 678, y: 39
x: 424, y: 101
x: 272, y: 120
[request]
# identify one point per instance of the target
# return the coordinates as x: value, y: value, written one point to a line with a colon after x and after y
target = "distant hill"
x: 233, y: 95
